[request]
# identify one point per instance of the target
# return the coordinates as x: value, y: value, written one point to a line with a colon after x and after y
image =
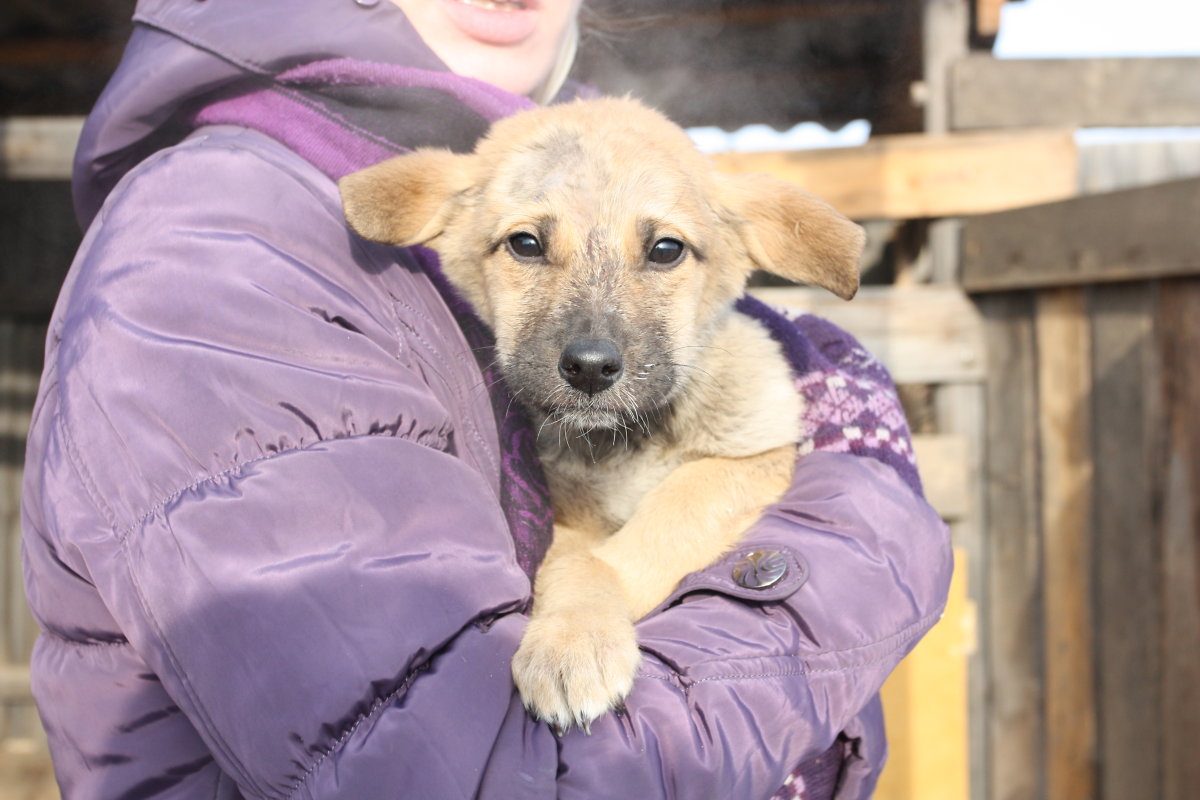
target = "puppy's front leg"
x: 579, y: 654
x: 690, y: 520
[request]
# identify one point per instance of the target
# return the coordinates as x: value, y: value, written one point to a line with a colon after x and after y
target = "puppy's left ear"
x: 408, y: 199
x: 792, y: 234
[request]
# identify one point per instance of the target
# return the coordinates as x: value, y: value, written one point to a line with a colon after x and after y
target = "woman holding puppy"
x: 279, y: 533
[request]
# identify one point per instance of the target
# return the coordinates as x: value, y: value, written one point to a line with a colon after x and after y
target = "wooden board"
x: 907, y: 176
x: 1180, y: 577
x: 1120, y: 236
x: 1015, y: 741
x: 961, y: 411
x: 1103, y: 92
x: 892, y: 177
x: 943, y: 460
x: 922, y: 334
x: 1064, y: 422
x: 14, y: 683
x: 21, y: 347
x: 925, y: 706
x: 38, y: 148
x: 1127, y: 415
x: 26, y: 772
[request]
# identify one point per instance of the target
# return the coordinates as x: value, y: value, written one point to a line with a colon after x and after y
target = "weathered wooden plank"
x: 26, y: 772
x: 944, y: 461
x: 21, y: 345
x: 14, y: 683
x: 945, y: 29
x: 907, y: 176
x: 961, y: 414
x: 928, y: 741
x: 1134, y: 234
x: 1101, y: 92
x: 892, y: 177
x: 1064, y: 386
x: 1116, y: 165
x: 1127, y: 413
x: 922, y: 334
x: 1180, y: 717
x: 38, y: 148
x: 1013, y: 626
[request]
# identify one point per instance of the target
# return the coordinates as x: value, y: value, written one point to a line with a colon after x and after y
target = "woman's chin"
x: 513, y: 44
x: 505, y: 67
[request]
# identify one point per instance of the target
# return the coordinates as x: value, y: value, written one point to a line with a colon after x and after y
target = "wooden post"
x: 1180, y: 719
x: 1127, y: 412
x: 1064, y: 387
x: 1013, y: 713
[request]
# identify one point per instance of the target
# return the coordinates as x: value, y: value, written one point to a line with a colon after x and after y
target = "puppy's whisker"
x: 512, y: 400
x: 699, y: 347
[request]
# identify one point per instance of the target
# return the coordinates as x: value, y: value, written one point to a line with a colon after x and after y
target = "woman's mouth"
x: 496, y: 22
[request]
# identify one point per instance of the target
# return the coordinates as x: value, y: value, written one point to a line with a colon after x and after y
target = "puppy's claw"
x: 574, y: 666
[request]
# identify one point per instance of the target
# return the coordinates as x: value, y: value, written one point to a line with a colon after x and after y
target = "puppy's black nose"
x: 591, y: 365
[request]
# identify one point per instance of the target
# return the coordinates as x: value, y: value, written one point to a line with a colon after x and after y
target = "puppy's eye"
x: 666, y: 251
x: 525, y: 245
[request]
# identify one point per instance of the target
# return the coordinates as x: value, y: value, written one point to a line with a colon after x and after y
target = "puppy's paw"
x: 572, y: 666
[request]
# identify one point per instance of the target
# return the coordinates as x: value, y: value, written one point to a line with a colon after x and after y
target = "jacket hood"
x: 184, y: 50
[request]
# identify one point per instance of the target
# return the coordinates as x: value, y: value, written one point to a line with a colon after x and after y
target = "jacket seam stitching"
x: 201, y: 717
x: 337, y: 744
x: 202, y: 43
x: 85, y: 475
x: 213, y: 477
x: 472, y: 429
x: 904, y: 634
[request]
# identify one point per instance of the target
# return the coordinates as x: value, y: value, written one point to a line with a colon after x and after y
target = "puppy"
x: 606, y: 255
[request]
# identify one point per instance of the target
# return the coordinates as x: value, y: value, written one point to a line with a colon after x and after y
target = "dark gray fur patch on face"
x: 637, y: 406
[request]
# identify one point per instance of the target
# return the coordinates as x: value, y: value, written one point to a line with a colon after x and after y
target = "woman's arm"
x: 268, y: 482
x: 735, y: 691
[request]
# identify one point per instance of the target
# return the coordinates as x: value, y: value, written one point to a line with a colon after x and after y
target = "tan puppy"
x: 606, y: 254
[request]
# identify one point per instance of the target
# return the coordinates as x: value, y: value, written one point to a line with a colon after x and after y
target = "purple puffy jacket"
x: 263, y: 537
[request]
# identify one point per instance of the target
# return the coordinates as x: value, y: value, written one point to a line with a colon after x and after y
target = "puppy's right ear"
x: 408, y: 199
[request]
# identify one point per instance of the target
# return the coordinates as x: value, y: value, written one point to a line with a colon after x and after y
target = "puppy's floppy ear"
x: 792, y: 234
x: 406, y: 200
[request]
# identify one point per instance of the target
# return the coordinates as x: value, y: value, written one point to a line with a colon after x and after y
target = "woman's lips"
x: 498, y: 22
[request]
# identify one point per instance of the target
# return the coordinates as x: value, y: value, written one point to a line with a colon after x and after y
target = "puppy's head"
x: 601, y: 248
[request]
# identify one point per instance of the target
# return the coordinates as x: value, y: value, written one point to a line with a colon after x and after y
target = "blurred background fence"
x: 1034, y: 288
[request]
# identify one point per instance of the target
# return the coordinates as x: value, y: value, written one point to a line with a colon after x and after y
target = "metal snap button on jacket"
x: 760, y: 569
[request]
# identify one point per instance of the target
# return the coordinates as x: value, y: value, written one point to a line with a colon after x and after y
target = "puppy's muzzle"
x: 591, y: 365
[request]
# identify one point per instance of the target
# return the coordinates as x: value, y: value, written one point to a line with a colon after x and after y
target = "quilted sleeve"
x: 268, y: 482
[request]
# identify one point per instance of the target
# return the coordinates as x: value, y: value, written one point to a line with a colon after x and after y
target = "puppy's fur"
x: 658, y: 475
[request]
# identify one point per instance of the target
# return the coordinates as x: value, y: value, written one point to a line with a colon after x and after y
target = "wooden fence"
x: 1092, y: 480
